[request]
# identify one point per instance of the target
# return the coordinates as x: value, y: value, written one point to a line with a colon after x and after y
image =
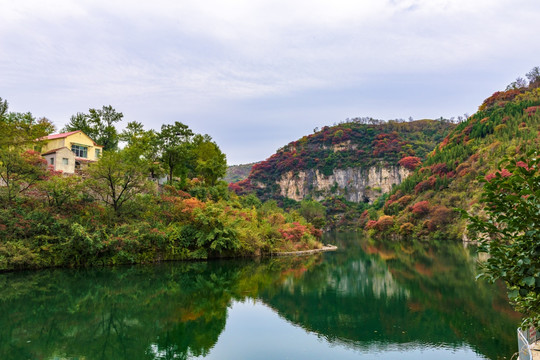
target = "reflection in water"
x: 368, y: 297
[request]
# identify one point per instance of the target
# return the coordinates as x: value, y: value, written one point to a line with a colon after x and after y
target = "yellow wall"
x: 77, y: 139
x: 82, y: 139
x: 52, y: 144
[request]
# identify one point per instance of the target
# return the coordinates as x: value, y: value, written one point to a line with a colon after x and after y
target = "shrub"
x: 384, y: 223
x: 421, y: 208
x: 410, y: 162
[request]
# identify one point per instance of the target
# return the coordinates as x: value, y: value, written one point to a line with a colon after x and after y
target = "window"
x: 98, y: 153
x: 65, y: 161
x: 52, y: 161
x: 80, y: 151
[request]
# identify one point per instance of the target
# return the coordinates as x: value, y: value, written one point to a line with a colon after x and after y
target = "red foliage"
x: 410, y: 162
x: 439, y: 169
x: 425, y: 185
x: 420, y: 208
x: 521, y: 164
x: 531, y: 110
x: 242, y: 187
x: 500, y: 96
x: 293, y: 232
x: 503, y: 172
x: 371, y: 224
x: 386, y: 143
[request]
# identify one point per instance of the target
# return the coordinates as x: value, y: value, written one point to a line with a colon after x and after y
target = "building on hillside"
x: 71, y: 151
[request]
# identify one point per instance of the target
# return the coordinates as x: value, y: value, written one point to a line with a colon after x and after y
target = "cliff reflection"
x: 390, y: 293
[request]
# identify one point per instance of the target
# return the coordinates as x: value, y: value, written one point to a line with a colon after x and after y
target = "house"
x: 70, y: 151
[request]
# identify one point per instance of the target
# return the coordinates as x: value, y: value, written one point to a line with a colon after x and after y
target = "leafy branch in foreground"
x: 510, y: 232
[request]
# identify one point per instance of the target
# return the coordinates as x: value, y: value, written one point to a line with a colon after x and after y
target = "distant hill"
x: 237, y: 172
x: 358, y: 160
x: 507, y: 124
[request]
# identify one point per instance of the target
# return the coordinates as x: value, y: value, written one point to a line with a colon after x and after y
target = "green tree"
x: 314, y: 212
x: 510, y: 232
x: 146, y: 144
x: 175, y: 145
x: 61, y: 190
x: 98, y: 124
x: 209, y: 162
x: 118, y: 177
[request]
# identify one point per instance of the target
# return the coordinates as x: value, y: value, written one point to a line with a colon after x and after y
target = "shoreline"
x: 325, y: 248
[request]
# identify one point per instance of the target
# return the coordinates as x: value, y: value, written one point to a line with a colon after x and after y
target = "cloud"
x: 193, y: 60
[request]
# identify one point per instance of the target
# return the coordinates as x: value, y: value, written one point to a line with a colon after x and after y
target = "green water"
x: 365, y: 301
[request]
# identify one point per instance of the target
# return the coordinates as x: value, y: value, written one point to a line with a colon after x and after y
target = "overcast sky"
x: 256, y: 75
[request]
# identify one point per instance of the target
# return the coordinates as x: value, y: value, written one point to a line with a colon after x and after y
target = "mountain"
x: 237, y: 172
x: 356, y: 161
x: 506, y: 124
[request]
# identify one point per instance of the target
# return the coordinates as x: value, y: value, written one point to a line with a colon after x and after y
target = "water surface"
x: 365, y: 301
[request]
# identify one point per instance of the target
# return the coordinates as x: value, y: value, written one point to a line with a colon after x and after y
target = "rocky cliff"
x: 355, y: 184
x: 359, y: 160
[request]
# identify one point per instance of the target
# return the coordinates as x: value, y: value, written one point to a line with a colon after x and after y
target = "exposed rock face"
x: 356, y: 184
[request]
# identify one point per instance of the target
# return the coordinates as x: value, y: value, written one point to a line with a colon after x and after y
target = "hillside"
x: 357, y: 161
x: 507, y: 124
x: 237, y: 172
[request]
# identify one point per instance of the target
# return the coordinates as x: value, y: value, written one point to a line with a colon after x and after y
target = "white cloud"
x: 194, y: 57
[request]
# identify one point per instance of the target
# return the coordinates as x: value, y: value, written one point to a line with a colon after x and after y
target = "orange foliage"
x: 191, y: 204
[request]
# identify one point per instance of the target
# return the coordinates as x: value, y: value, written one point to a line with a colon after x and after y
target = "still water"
x: 365, y: 301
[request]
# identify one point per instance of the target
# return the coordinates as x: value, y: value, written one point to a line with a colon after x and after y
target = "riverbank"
x: 163, y: 226
x: 325, y: 248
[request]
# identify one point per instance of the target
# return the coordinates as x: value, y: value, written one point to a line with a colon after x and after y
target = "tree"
x: 145, y: 144
x: 20, y: 166
x: 210, y: 163
x: 314, y: 212
x: 98, y: 125
x: 520, y: 83
x: 510, y: 232
x: 175, y: 145
x: 534, y: 77
x: 118, y: 177
x: 61, y: 190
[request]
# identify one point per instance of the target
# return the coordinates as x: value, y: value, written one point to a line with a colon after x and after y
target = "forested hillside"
x: 359, y: 143
x: 345, y: 167
x: 506, y: 125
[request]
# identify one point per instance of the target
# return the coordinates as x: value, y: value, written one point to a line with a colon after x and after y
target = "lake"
x: 368, y: 300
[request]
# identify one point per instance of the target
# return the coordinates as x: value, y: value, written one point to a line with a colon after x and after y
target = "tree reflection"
x: 381, y: 294
x: 367, y: 295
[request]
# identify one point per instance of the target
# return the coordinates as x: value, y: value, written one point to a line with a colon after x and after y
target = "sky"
x: 257, y: 74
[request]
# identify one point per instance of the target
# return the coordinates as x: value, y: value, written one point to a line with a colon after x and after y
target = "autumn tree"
x: 20, y: 166
x: 510, y: 232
